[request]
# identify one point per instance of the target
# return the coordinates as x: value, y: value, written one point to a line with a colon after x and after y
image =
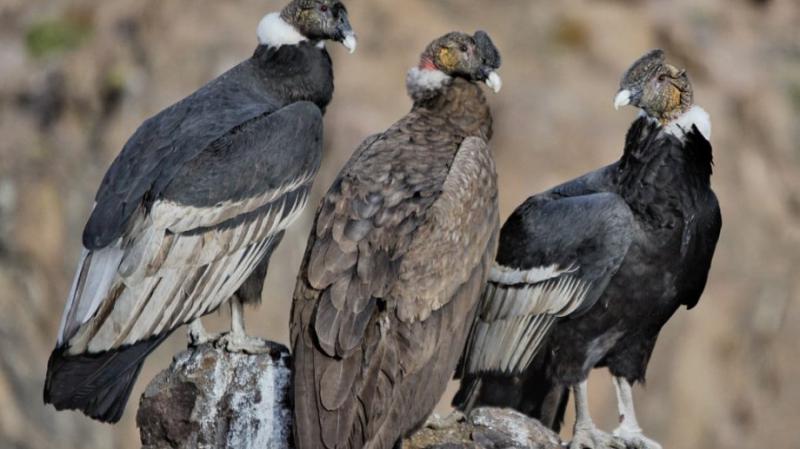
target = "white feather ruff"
x: 425, y: 79
x: 696, y: 116
x: 273, y: 31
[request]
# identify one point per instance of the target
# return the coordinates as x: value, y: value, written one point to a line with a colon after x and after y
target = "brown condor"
x: 397, y: 257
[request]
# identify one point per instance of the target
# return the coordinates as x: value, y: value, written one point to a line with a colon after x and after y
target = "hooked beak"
x: 623, y: 98
x: 350, y: 42
x: 491, y: 78
x: 346, y: 34
x: 494, y: 82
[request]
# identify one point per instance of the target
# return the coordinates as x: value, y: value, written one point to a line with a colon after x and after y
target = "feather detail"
x: 518, y: 309
x: 89, y: 287
x: 409, y: 228
x: 695, y: 116
x: 275, y: 32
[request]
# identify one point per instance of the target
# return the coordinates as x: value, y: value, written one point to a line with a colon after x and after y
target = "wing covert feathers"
x: 165, y: 279
x: 570, y: 247
x: 517, y: 310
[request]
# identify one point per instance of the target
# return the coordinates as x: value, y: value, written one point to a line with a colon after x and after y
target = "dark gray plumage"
x: 189, y: 213
x: 400, y: 248
x: 588, y: 272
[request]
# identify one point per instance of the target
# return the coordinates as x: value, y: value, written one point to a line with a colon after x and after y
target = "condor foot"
x: 634, y: 439
x: 236, y: 342
x: 593, y: 438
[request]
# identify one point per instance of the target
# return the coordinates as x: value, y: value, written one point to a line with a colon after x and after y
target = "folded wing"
x: 150, y: 159
x: 555, y: 259
x: 197, y: 242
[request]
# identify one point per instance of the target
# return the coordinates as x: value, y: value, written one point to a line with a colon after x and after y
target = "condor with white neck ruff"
x: 588, y: 272
x: 396, y: 260
x: 190, y: 211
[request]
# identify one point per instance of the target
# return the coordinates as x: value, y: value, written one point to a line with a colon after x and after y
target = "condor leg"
x: 629, y: 429
x: 237, y: 340
x: 586, y: 435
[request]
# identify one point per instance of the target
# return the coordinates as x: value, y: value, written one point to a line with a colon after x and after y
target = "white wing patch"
x: 164, y: 279
x: 89, y: 287
x: 504, y: 275
x: 517, y: 310
x: 181, y: 218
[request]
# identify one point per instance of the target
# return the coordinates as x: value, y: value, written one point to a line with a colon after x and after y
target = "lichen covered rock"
x: 487, y: 428
x: 211, y: 398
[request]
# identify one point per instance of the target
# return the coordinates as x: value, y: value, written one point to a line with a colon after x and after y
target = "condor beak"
x: 623, y: 98
x: 494, y: 82
x: 346, y: 34
x: 489, y: 76
x: 350, y: 42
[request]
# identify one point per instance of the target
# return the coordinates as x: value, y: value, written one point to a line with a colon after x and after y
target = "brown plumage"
x: 400, y: 248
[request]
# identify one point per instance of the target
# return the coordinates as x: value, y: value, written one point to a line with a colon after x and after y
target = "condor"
x: 588, y: 272
x: 190, y: 211
x: 399, y: 252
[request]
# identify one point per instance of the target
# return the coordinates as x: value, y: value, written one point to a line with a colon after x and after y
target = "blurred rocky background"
x: 78, y: 76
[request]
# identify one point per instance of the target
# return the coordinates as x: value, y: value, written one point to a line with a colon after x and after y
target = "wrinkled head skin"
x: 661, y: 90
x: 320, y: 20
x: 458, y: 54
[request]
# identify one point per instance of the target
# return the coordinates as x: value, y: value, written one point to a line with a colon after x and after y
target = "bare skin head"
x: 658, y: 88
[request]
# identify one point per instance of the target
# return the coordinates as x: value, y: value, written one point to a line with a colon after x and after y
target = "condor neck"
x: 297, y: 72
x: 657, y: 164
x: 462, y: 104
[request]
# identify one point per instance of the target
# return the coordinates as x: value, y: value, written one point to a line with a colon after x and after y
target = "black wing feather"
x: 262, y: 154
x: 163, y: 143
x: 589, y: 232
x: 701, y: 233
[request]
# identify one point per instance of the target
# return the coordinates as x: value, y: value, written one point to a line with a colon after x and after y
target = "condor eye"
x: 463, y: 48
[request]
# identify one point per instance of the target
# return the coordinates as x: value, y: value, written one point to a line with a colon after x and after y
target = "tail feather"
x: 96, y: 384
x: 543, y: 399
x: 488, y: 390
x: 531, y: 393
x: 553, y: 407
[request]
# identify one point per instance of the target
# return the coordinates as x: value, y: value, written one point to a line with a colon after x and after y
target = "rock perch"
x: 487, y: 428
x: 210, y: 398
x: 213, y: 399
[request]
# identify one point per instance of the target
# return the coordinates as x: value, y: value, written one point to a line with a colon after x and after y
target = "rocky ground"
x: 487, y: 428
x: 78, y: 76
x: 209, y: 398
